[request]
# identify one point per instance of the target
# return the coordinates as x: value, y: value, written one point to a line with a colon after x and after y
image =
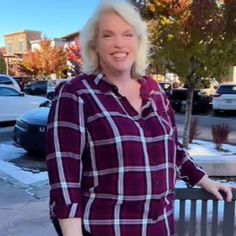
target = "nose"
x: 119, y: 42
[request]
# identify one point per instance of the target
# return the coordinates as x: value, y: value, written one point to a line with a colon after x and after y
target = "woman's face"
x: 117, y: 44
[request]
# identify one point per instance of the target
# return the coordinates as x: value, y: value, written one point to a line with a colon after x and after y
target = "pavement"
x: 24, y: 208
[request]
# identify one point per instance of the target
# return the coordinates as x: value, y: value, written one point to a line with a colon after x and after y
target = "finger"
x: 218, y: 195
x: 228, y: 193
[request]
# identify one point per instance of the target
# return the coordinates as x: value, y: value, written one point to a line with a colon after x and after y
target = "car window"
x: 8, y: 92
x: 165, y: 85
x: 39, y: 84
x: 227, y: 89
x: 181, y: 94
x: 5, y: 80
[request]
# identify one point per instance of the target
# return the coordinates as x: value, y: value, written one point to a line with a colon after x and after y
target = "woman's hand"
x: 215, y: 187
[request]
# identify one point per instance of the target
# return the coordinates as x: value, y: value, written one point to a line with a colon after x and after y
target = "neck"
x: 118, y: 78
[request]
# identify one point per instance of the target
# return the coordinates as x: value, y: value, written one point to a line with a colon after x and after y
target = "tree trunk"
x: 188, y: 117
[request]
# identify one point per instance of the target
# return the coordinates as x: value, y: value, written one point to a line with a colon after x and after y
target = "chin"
x: 123, y: 68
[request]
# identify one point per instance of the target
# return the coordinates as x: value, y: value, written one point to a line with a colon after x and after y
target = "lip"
x: 119, y: 56
x: 119, y: 52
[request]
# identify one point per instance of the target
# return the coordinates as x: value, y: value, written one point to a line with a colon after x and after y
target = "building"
x: 16, y: 45
x: 71, y: 37
x: 19, y: 43
x: 56, y: 42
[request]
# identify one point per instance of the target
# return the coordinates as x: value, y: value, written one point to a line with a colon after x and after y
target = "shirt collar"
x: 106, y: 85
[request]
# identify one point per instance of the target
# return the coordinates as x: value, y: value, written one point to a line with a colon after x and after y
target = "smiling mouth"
x: 119, y: 54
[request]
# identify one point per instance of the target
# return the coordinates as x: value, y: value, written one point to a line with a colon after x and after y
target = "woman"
x: 112, y: 148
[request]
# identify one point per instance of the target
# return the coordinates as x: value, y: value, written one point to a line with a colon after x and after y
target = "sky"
x: 54, y: 19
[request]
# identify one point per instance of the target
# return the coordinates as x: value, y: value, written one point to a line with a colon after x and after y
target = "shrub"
x: 194, y: 130
x: 220, y: 134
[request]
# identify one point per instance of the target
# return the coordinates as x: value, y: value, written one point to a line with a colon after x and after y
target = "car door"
x: 12, y: 104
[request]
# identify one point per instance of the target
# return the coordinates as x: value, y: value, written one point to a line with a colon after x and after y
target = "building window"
x: 21, y: 47
x: 9, y: 49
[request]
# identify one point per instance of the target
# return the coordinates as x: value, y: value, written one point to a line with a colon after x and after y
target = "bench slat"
x: 181, y: 222
x: 204, y: 218
x: 189, y: 226
x: 228, y: 221
x: 214, y: 218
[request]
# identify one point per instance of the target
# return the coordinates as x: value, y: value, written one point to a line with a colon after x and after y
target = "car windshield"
x: 227, y: 89
x: 180, y: 94
x: 5, y: 80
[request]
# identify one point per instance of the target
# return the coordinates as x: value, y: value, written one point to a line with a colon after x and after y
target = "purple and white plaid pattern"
x: 110, y: 165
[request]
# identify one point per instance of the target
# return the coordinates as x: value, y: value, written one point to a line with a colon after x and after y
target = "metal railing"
x: 198, y: 213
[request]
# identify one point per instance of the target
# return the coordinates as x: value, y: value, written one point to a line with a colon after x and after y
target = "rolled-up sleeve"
x: 65, y: 141
x: 187, y: 170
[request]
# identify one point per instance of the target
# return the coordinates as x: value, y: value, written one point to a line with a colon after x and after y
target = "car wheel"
x: 216, y: 112
x: 177, y: 106
x: 30, y: 151
x: 35, y: 153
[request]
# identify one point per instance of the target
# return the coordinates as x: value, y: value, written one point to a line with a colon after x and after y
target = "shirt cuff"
x: 193, y: 172
x: 73, y: 210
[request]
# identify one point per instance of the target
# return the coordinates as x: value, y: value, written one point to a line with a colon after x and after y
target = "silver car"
x: 224, y: 98
x: 9, y: 81
x: 14, y: 103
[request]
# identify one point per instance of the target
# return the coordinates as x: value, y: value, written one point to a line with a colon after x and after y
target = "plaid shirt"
x: 111, y: 166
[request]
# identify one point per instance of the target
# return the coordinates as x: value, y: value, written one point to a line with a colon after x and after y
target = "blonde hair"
x: 89, y: 34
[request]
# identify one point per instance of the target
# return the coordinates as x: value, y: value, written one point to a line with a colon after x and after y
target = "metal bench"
x: 198, y: 213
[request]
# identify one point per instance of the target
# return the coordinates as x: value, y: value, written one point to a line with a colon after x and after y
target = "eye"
x: 106, y: 35
x: 129, y: 35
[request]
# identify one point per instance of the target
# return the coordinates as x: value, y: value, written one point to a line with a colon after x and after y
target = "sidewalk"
x: 24, y: 211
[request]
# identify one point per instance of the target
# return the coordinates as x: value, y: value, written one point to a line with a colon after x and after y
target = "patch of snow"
x: 207, y: 149
x: 9, y: 152
x: 25, y: 177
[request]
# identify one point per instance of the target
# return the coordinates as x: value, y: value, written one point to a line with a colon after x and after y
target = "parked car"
x: 30, y: 129
x: 14, y: 103
x: 178, y: 98
x: 22, y: 81
x: 208, y: 86
x: 167, y: 87
x: 42, y: 87
x: 224, y: 98
x: 36, y: 88
x: 52, y: 84
x: 9, y: 81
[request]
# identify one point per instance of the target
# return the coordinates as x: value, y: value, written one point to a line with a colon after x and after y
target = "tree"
x: 44, y: 61
x: 30, y: 64
x: 2, y: 64
x: 73, y: 55
x: 194, y: 39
